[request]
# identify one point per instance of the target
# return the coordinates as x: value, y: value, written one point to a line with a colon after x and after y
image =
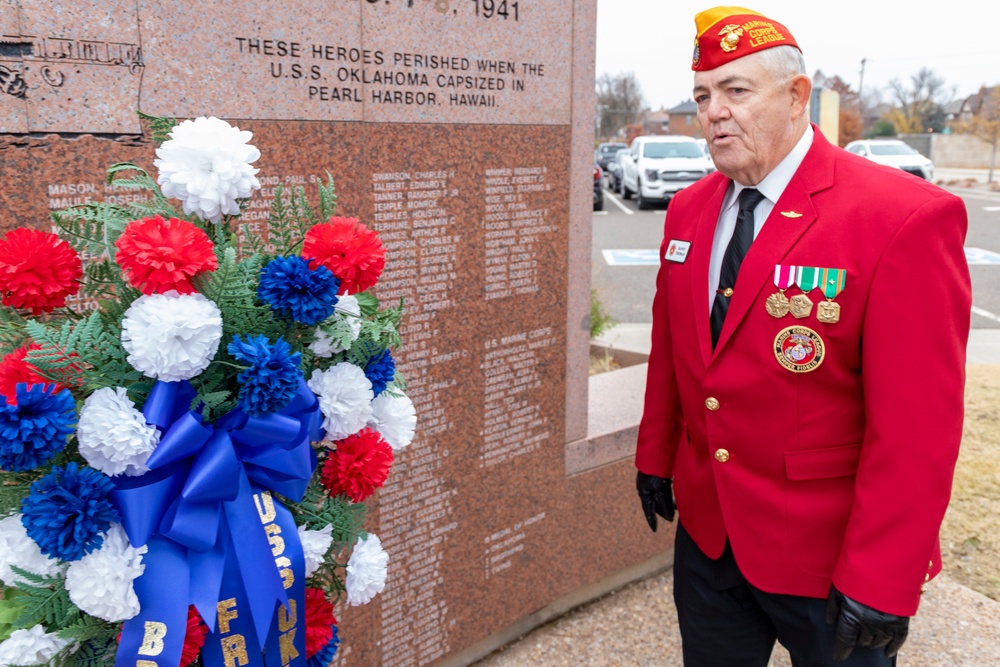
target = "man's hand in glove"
x: 655, y: 494
x: 860, y: 625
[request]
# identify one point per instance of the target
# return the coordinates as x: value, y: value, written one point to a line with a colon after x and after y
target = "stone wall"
x: 952, y: 151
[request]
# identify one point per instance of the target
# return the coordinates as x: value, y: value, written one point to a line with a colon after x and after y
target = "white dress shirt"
x: 771, y: 187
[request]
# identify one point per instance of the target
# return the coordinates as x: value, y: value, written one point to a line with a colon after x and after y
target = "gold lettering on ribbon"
x: 265, y: 506
x: 227, y: 612
x: 234, y: 651
x: 288, y: 652
x: 287, y: 617
x: 285, y: 570
x: 286, y: 625
x: 152, y: 639
x: 274, y: 538
x: 145, y: 663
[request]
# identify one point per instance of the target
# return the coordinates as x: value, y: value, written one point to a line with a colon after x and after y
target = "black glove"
x: 860, y: 625
x: 656, y: 496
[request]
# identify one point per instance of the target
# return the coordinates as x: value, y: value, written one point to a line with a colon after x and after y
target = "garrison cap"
x: 727, y: 33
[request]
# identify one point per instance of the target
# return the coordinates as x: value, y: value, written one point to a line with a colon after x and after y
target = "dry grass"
x: 970, y: 536
x: 602, y: 362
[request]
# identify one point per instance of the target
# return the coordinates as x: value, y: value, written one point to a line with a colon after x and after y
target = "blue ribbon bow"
x: 199, y: 510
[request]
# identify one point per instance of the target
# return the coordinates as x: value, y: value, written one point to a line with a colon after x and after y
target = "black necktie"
x: 735, y: 252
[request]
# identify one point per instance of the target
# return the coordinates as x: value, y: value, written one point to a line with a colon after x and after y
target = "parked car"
x: 598, y: 189
x: 606, y: 152
x: 613, y: 172
x: 656, y: 167
x: 894, y: 153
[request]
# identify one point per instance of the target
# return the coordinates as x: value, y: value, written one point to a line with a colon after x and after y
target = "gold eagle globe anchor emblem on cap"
x: 731, y: 40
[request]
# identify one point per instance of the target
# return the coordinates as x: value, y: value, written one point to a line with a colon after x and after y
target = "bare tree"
x: 850, y: 122
x: 920, y: 106
x: 986, y: 123
x: 619, y: 101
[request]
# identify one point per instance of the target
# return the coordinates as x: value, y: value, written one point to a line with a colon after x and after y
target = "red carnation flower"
x: 194, y: 637
x: 38, y: 270
x: 359, y: 465
x: 14, y: 370
x: 319, y: 621
x: 160, y: 255
x: 350, y: 250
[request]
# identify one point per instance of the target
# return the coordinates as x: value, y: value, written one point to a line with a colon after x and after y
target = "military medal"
x: 832, y: 283
x: 777, y: 304
x: 799, y: 349
x: 807, y: 279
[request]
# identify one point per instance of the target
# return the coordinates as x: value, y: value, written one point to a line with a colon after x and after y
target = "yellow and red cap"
x: 727, y: 33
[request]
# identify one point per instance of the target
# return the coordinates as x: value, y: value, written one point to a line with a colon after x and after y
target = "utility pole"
x: 861, y: 104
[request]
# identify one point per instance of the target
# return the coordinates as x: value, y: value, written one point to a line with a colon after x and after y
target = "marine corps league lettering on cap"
x: 728, y: 33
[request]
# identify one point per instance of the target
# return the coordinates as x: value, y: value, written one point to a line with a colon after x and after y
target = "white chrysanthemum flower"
x: 19, y: 550
x: 395, y: 418
x: 345, y: 398
x: 366, y: 571
x: 171, y: 336
x: 33, y: 646
x: 206, y: 165
x: 347, y: 310
x: 113, y: 435
x: 315, y: 544
x: 100, y: 583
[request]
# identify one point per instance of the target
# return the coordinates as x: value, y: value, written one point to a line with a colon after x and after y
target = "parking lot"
x: 626, y: 243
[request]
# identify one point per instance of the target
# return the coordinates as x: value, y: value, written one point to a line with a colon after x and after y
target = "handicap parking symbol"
x: 980, y: 257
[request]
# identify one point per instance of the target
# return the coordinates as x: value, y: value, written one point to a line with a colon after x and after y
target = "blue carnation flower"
x: 272, y: 379
x: 380, y: 371
x: 35, y: 429
x: 291, y: 288
x: 325, y: 655
x: 68, y: 510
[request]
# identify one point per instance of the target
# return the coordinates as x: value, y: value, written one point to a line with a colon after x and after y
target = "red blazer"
x: 842, y: 473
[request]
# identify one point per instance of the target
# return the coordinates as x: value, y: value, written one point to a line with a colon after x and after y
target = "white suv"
x: 894, y: 153
x: 656, y: 167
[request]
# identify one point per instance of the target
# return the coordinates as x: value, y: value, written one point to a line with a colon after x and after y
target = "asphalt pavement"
x: 626, y: 240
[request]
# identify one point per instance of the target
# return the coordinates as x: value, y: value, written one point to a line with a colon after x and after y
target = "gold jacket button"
x: 712, y: 403
x: 721, y: 455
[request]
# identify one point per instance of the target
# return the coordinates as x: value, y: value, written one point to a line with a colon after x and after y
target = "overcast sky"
x: 957, y: 40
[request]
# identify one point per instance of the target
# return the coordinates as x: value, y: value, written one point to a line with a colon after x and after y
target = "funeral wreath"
x: 186, y: 452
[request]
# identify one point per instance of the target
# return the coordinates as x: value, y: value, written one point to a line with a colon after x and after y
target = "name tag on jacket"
x: 677, y: 251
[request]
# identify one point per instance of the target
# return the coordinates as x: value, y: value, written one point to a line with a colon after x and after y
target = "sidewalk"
x: 637, y: 625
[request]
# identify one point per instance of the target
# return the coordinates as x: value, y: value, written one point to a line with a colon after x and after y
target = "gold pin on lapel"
x: 791, y: 214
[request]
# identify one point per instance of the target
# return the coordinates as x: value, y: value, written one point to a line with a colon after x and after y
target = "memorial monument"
x: 460, y: 130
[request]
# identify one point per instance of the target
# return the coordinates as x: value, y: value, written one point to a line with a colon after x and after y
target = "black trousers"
x: 727, y: 622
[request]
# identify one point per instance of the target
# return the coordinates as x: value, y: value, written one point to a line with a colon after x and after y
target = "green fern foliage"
x: 43, y: 600
x: 327, y: 198
x: 81, y: 354
x: 159, y: 127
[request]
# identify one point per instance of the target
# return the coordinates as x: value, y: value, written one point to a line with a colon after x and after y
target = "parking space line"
x: 608, y: 195
x: 985, y: 313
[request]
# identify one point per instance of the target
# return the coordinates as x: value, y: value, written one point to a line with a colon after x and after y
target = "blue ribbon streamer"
x: 187, y: 509
x: 286, y: 643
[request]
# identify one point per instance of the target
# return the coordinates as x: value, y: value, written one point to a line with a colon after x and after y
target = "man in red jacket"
x: 804, y: 396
